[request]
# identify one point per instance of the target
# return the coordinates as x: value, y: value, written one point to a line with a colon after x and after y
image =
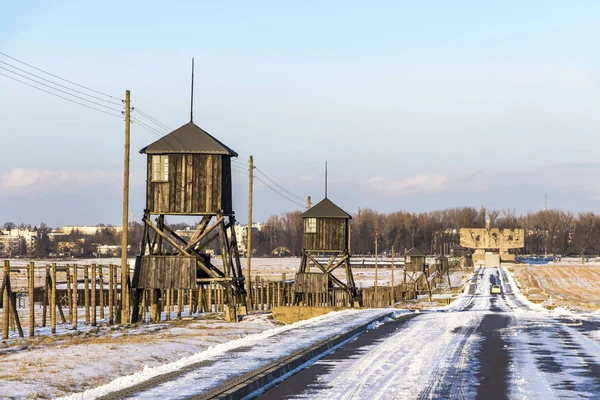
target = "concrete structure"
x: 492, y: 246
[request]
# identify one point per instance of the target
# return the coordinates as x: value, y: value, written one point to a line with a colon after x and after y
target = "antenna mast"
x: 192, y: 95
x: 325, y: 179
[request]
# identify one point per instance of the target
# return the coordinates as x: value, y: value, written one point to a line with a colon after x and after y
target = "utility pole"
x: 393, y: 291
x: 308, y: 202
x: 124, y: 266
x: 249, y: 233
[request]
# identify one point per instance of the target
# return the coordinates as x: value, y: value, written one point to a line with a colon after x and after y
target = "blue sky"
x: 415, y: 105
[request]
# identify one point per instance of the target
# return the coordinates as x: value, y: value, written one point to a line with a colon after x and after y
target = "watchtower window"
x: 310, y: 225
x: 160, y: 168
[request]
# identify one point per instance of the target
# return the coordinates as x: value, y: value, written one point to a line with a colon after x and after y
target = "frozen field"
x: 574, y: 286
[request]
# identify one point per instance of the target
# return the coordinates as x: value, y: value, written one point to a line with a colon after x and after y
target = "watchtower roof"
x: 325, y: 209
x: 415, y: 252
x: 189, y: 138
x: 441, y: 257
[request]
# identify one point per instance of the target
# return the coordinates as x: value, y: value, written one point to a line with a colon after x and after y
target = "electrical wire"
x: 64, y: 98
x: 149, y: 128
x: 57, y: 84
x: 62, y: 91
x: 58, y: 77
x: 279, y: 193
x: 154, y: 120
x: 290, y: 193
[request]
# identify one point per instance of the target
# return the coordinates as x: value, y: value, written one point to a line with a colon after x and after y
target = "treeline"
x: 554, y: 232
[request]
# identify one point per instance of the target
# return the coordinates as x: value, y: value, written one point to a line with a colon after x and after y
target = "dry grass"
x: 575, y: 286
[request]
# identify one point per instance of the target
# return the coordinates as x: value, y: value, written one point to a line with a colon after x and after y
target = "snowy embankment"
x: 238, y: 356
x: 54, y: 365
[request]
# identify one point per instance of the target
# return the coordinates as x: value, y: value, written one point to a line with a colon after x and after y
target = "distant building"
x: 70, y: 248
x: 88, y: 230
x: 241, y: 236
x: 104, y: 250
x: 15, y: 242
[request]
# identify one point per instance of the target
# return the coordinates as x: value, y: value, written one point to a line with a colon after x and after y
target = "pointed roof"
x: 189, y: 138
x: 415, y: 252
x: 325, y: 209
x: 441, y: 257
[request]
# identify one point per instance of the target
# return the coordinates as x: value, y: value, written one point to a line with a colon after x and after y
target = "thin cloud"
x: 420, y: 183
x: 22, y: 180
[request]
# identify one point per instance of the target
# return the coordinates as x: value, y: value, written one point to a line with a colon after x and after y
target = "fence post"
x: 46, y: 298
x: 31, y: 282
x: 53, y: 300
x: 101, y: 283
x: 69, y: 297
x: 74, y: 300
x: 93, y: 294
x: 179, y: 302
x: 5, y: 300
x: 86, y: 293
x: 110, y: 294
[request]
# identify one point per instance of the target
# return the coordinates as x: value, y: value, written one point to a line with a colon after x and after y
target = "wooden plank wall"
x: 331, y: 235
x: 415, y: 264
x: 167, y: 272
x: 310, y: 283
x: 196, y: 184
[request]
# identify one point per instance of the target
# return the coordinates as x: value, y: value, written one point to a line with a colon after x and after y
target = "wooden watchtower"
x: 188, y: 175
x: 442, y: 267
x: 326, y: 233
x: 415, y: 270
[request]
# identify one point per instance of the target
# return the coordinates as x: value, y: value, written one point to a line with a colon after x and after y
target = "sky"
x: 414, y: 105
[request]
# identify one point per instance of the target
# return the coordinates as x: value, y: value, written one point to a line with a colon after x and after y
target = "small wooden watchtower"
x: 415, y: 273
x: 442, y: 267
x: 326, y: 233
x: 414, y: 260
x: 188, y: 175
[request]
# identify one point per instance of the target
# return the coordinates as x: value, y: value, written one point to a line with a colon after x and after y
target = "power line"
x: 240, y: 171
x: 154, y: 120
x: 58, y: 77
x: 149, y: 128
x: 57, y: 84
x: 64, y: 98
x: 60, y: 90
x: 281, y: 187
x: 279, y: 193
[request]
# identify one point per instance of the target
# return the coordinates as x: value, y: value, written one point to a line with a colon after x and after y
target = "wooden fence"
x: 46, y: 297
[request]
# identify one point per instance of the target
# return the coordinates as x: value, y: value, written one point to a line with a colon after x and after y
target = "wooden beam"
x: 333, y: 278
x: 166, y: 237
x: 201, y: 227
x: 331, y: 269
x: 204, y: 280
x: 208, y: 230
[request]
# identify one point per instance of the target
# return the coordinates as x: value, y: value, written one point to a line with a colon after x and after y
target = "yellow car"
x: 496, y: 289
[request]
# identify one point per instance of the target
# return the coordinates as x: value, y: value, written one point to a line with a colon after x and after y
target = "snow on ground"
x: 49, y: 366
x: 239, y: 356
x: 441, y: 354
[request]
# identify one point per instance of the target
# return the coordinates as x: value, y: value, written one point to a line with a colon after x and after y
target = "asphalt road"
x: 483, y: 346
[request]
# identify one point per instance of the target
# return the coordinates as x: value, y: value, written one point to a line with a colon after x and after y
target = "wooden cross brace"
x: 327, y: 270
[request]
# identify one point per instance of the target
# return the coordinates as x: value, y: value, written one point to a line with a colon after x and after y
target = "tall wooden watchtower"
x: 188, y: 175
x: 326, y: 233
